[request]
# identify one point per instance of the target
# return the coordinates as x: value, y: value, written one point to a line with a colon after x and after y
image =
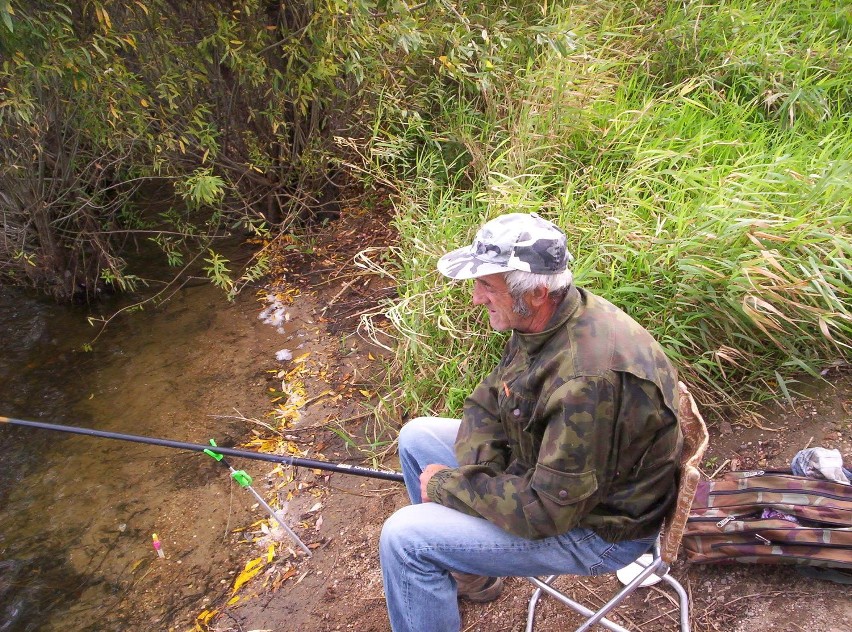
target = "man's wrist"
x: 435, y: 485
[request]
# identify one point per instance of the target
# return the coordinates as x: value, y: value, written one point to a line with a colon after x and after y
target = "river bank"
x: 340, y: 588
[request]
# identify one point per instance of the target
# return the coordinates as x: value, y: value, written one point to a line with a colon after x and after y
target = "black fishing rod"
x: 343, y: 468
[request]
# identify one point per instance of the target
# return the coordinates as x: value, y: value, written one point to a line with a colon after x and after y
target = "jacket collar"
x: 566, y: 310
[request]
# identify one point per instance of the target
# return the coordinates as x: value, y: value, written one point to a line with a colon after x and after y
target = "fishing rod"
x: 343, y: 468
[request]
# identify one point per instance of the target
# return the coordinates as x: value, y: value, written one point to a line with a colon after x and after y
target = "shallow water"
x: 77, y: 513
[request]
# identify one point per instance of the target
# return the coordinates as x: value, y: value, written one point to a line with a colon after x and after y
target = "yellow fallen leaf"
x: 252, y: 564
x: 205, y: 616
x: 270, y: 552
x: 252, y: 568
x: 365, y: 393
x: 233, y: 600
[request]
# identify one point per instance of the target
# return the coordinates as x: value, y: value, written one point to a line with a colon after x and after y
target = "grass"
x: 698, y: 156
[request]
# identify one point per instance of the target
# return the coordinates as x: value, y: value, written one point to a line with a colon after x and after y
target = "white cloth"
x: 820, y: 463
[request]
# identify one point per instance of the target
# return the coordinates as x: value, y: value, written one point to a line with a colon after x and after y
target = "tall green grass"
x: 698, y: 156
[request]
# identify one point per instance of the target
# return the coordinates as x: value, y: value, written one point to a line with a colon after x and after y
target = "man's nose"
x: 478, y: 296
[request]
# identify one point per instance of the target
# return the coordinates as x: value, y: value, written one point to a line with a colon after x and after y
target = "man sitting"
x: 565, y: 459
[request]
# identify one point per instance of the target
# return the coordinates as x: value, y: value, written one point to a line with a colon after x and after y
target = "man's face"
x: 492, y: 292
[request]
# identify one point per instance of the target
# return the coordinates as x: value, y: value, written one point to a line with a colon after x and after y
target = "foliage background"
x: 232, y: 105
x: 697, y: 153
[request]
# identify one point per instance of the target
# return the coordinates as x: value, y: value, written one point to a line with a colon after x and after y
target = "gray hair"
x: 520, y: 282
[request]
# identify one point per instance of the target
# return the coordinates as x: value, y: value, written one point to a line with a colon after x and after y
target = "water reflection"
x: 38, y: 359
x: 77, y: 513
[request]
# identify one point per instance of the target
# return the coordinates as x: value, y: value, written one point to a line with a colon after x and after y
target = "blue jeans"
x: 421, y: 543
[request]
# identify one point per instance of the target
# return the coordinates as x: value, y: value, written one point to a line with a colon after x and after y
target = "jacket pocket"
x: 563, y: 488
x: 516, y: 412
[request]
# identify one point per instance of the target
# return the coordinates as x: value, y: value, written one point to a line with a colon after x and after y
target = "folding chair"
x: 665, y: 550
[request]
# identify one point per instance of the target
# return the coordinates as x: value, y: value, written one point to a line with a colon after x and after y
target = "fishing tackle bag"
x: 771, y: 518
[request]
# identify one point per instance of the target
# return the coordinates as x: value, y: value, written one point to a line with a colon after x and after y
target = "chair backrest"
x: 695, y: 440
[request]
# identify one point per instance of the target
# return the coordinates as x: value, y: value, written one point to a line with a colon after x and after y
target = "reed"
x: 698, y: 156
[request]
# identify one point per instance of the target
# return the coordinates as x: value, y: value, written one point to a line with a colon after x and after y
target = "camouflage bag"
x: 771, y: 518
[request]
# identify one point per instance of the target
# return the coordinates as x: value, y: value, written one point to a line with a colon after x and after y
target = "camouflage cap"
x: 515, y: 241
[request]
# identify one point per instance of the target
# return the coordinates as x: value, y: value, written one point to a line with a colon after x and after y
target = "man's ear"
x: 538, y: 296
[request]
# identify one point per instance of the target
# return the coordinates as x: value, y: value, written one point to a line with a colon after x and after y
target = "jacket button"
x: 517, y: 412
x: 563, y: 494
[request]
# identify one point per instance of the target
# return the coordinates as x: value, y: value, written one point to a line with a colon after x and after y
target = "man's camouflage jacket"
x: 575, y: 427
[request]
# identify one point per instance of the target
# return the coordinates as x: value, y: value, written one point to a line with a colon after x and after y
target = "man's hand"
x: 427, y: 474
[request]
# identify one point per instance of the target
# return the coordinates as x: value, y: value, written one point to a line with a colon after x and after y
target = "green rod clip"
x: 241, y: 477
x: 212, y: 454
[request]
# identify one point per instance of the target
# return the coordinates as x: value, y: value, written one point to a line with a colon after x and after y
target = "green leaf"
x: 6, y: 16
x: 783, y: 386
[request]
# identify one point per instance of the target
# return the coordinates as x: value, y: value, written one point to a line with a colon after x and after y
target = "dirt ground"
x: 340, y: 516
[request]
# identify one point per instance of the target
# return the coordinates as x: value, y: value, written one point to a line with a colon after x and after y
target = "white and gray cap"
x: 515, y: 241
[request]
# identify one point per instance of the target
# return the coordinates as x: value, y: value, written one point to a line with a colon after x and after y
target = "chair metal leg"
x: 656, y: 567
x: 684, y: 601
x: 533, y: 603
x: 546, y: 587
x: 597, y: 616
